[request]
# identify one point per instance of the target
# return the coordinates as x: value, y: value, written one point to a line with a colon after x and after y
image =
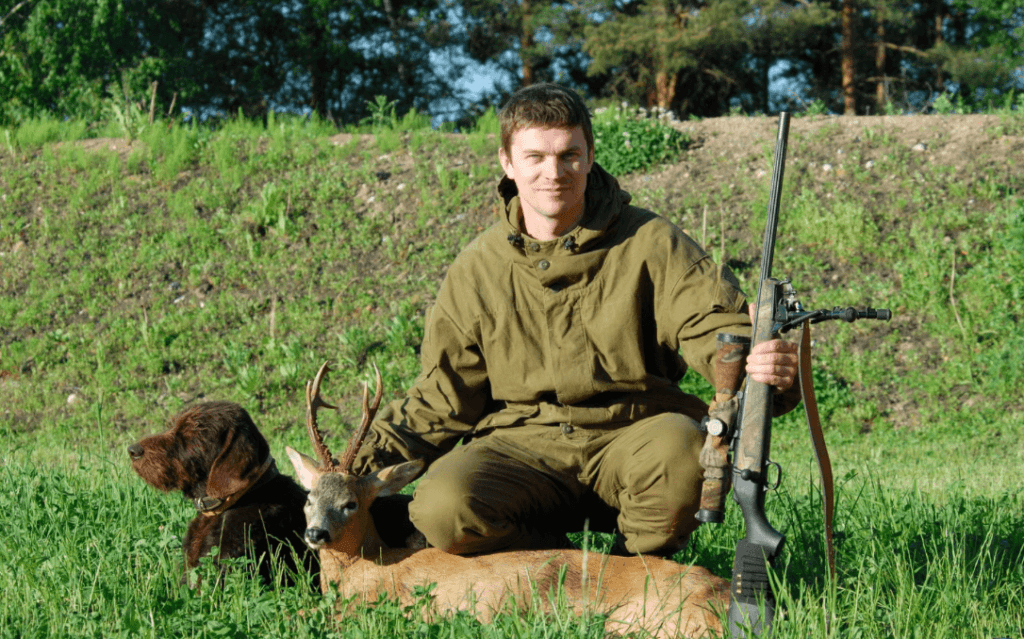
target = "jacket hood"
x: 604, y: 201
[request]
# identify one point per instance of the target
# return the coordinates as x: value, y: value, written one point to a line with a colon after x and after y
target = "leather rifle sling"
x: 818, y: 439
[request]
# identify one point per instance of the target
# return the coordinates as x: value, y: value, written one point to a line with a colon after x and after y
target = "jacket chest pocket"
x: 617, y: 326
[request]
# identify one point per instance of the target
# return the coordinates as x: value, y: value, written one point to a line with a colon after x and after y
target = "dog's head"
x: 211, y: 451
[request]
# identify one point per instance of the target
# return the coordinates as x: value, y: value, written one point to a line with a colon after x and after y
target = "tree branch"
x: 890, y: 45
x: 13, y: 11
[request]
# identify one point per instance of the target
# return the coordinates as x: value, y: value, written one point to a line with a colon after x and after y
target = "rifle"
x: 752, y: 602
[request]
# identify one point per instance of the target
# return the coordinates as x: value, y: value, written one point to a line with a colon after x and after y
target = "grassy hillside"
x: 140, y: 275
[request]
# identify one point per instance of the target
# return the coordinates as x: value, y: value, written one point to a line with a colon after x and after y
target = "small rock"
x: 920, y: 147
x: 73, y: 399
x: 869, y: 164
x: 826, y: 167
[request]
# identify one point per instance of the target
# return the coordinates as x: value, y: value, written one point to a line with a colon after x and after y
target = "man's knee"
x: 441, y: 505
x: 668, y: 454
x: 661, y: 488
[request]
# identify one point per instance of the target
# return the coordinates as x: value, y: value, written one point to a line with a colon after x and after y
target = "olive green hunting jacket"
x: 595, y: 327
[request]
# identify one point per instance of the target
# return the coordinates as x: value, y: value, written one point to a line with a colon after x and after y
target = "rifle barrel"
x: 774, y: 202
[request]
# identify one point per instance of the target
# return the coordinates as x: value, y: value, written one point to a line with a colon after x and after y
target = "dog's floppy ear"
x: 240, y: 459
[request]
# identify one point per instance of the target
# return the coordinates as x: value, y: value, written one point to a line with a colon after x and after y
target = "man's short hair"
x: 544, y: 105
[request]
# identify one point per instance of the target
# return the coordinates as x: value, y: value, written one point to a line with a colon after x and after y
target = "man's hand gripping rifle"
x: 739, y: 425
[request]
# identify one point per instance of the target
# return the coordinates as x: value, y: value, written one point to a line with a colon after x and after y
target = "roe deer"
x: 658, y: 595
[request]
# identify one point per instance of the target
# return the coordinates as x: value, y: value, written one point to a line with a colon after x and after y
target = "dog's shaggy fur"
x: 214, y: 454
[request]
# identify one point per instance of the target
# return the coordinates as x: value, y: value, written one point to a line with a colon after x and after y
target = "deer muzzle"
x: 316, y: 538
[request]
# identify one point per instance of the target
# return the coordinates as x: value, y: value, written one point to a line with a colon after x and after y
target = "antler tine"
x: 313, y: 402
x: 364, y: 427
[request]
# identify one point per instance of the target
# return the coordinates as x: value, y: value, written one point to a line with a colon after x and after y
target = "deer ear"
x: 306, y: 468
x: 392, y: 479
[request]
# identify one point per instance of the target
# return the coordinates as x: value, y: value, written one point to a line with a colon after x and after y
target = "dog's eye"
x: 350, y: 505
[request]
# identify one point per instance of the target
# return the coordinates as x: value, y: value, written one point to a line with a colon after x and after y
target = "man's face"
x: 549, y: 167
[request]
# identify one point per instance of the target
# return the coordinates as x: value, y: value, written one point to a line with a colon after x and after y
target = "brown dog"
x: 214, y: 454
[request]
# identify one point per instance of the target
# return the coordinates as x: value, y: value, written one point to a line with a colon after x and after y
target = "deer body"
x: 643, y: 592
x: 658, y: 595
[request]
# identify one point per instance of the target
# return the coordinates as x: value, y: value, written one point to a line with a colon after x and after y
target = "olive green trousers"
x: 526, y: 486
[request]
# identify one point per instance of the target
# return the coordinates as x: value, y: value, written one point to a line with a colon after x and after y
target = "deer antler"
x: 368, y: 412
x: 313, y: 402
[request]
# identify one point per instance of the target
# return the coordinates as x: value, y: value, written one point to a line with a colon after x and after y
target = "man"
x: 554, y: 353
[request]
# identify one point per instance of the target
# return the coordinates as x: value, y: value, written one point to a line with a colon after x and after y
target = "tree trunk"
x: 849, y: 95
x: 880, y: 63
x: 396, y: 40
x: 526, y: 44
x: 665, y: 88
x: 765, y: 73
x: 940, y: 16
x: 316, y: 65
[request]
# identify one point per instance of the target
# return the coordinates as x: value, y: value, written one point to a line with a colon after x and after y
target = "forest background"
x: 95, y: 59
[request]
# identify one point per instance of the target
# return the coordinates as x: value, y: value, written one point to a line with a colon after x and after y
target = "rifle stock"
x: 752, y: 603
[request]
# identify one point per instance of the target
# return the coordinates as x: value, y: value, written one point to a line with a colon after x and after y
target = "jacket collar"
x: 604, y: 200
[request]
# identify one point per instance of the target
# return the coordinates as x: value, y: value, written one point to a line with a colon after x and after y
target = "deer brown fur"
x: 643, y: 592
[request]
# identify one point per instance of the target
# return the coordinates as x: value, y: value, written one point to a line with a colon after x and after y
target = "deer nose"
x: 136, y: 452
x: 317, y: 536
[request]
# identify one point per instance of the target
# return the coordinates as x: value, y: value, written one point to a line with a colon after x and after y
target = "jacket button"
x: 543, y: 265
x: 534, y: 246
x: 566, y: 429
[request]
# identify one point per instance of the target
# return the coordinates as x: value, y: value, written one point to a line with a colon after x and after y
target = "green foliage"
x: 382, y: 114
x: 628, y: 140
x: 944, y: 106
x: 385, y: 124
x: 817, y: 107
x: 487, y: 123
x: 129, y: 118
x: 32, y: 134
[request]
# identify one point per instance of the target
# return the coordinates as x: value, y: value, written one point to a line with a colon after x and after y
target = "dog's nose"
x: 317, y: 536
x: 136, y: 452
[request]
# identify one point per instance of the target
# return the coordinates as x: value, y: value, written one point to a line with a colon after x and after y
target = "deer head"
x: 338, y: 507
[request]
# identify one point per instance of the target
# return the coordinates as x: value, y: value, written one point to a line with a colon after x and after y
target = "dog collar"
x: 212, y: 506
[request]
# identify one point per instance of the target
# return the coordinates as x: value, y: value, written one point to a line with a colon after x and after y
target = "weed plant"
x: 628, y: 140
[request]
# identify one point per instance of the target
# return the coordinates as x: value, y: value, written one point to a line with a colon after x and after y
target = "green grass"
x: 89, y: 551
x: 229, y: 264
